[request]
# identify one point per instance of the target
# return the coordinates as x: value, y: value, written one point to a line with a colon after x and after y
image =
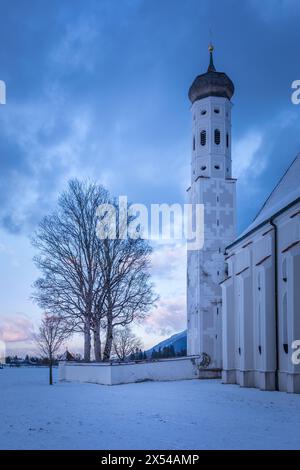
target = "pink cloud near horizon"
x: 16, y: 328
x: 168, y: 318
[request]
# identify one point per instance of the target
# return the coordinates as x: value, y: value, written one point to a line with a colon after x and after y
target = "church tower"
x: 213, y: 186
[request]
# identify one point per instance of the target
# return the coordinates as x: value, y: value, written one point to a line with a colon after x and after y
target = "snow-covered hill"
x: 178, y: 341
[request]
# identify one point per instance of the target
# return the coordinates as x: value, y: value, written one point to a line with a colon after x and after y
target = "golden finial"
x: 211, y: 67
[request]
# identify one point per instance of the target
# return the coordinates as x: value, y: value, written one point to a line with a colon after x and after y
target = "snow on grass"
x: 193, y: 414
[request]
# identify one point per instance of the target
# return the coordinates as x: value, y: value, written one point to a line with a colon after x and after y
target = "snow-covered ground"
x: 167, y: 415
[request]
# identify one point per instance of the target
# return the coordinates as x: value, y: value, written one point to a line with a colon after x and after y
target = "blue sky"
x: 99, y: 89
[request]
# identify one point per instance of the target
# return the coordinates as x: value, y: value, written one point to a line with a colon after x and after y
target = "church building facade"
x: 243, y: 293
x: 261, y: 294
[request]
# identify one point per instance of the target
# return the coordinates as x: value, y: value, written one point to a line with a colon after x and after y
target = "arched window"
x: 203, y: 112
x: 217, y: 136
x: 203, y: 138
x: 227, y: 140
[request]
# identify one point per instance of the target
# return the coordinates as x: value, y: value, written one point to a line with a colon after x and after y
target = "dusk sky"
x: 98, y: 89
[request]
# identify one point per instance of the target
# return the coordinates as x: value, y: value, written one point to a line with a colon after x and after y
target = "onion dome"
x: 211, y: 83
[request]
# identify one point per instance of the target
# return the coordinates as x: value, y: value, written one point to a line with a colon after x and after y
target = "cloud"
x: 245, y: 156
x: 168, y: 318
x: 15, y: 328
x: 74, y: 49
x: 276, y: 10
x: 168, y: 260
x: 41, y: 150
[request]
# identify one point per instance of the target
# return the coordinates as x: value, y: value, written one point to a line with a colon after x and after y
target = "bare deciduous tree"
x: 128, y: 291
x: 52, y: 335
x: 125, y: 342
x: 93, y: 283
x: 68, y: 259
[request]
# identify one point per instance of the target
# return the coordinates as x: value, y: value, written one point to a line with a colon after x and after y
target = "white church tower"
x: 213, y: 186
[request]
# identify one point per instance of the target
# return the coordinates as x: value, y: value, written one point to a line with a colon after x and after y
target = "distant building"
x: 261, y: 294
x: 67, y: 356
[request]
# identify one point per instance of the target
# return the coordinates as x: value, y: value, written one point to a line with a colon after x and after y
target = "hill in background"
x: 176, y: 345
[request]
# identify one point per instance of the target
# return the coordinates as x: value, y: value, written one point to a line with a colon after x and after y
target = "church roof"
x: 285, y: 193
x: 211, y: 83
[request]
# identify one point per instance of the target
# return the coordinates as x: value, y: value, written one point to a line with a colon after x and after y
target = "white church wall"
x: 229, y: 332
x: 249, y: 306
x: 184, y: 368
x: 90, y: 373
x: 288, y: 241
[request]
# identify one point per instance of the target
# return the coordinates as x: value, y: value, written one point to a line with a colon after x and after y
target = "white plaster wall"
x: 92, y: 373
x: 114, y: 374
x: 252, y: 312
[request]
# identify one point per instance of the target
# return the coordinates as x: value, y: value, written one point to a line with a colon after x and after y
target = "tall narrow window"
x: 194, y: 143
x: 284, y: 271
x: 259, y: 327
x: 259, y: 281
x: 285, y: 324
x: 227, y: 140
x: 203, y: 138
x: 217, y: 136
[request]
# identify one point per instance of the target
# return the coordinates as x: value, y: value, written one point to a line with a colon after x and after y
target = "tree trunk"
x: 87, y: 341
x: 50, y: 372
x: 109, y: 340
x: 97, y: 344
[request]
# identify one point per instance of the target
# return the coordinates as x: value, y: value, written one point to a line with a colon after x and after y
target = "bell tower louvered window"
x: 203, y: 138
x: 217, y: 137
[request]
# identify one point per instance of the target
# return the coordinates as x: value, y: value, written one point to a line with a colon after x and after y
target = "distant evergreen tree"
x: 140, y: 355
x: 181, y: 353
x: 132, y: 356
x: 156, y: 354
